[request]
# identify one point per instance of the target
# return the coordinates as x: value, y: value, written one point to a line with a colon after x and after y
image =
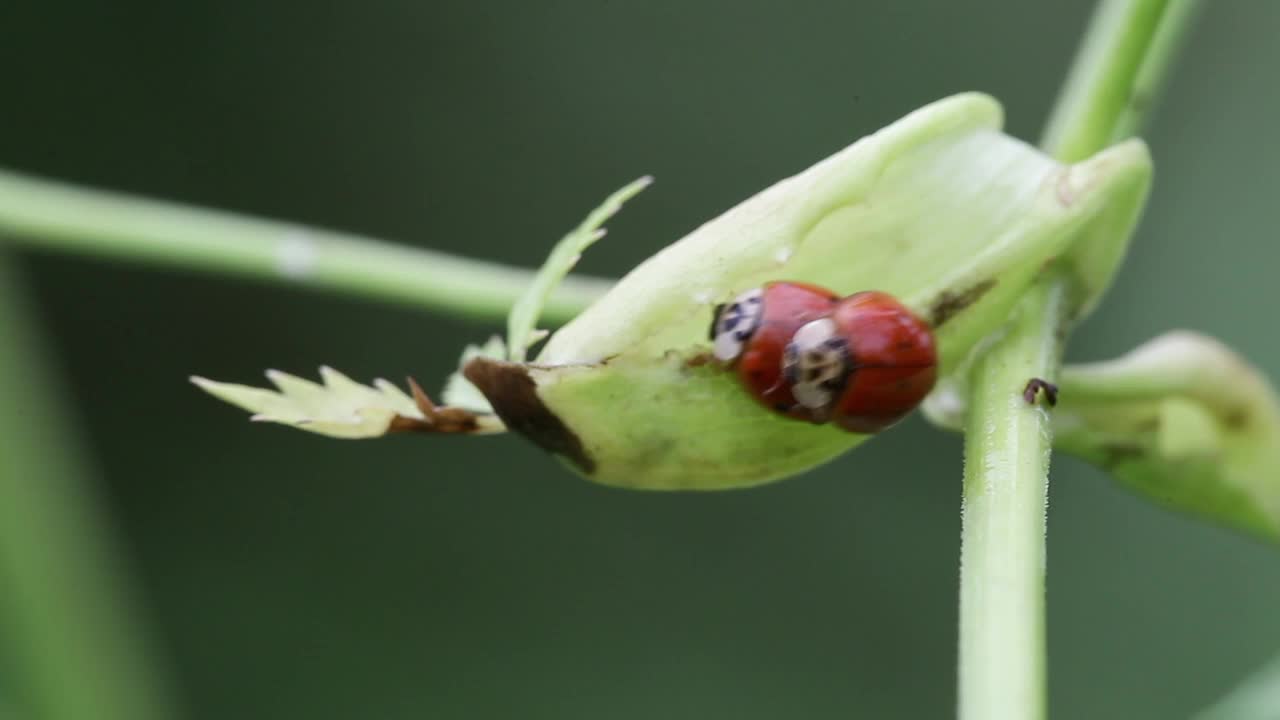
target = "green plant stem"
x: 70, y: 630
x: 1002, y: 555
x: 1102, y: 84
x: 47, y: 215
x: 1125, y: 55
x: 1170, y: 35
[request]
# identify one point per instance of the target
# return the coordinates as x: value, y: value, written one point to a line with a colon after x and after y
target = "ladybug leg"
x: 1035, y: 386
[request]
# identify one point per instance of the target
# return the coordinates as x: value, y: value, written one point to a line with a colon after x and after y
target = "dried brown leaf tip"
x: 438, y: 418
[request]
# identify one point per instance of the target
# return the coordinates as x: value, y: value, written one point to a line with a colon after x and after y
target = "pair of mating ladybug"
x: 862, y: 361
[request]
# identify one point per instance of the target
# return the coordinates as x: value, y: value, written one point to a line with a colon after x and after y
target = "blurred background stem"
x: 46, y: 215
x: 1256, y: 698
x: 1124, y: 58
x: 1125, y: 55
x: 74, y: 643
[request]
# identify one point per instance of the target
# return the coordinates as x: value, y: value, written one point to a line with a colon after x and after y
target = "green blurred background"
x: 290, y: 576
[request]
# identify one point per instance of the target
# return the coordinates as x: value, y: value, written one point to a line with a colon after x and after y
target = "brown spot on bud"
x: 514, y: 397
x: 949, y: 303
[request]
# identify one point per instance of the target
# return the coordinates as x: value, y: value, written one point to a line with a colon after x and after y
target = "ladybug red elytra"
x: 862, y: 362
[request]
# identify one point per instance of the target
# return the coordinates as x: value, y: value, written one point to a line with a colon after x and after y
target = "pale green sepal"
x: 1098, y: 251
x: 521, y: 333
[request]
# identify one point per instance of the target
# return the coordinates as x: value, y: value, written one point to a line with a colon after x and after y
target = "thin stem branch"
x: 46, y: 215
x: 1002, y: 555
x: 80, y: 647
x: 1170, y: 36
x: 1100, y: 87
x: 1125, y: 55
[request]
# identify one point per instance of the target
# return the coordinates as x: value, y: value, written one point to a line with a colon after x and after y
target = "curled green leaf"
x: 1184, y: 421
x: 1181, y: 420
x: 940, y: 209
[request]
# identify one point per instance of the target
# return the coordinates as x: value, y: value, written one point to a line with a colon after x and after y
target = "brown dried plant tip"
x: 438, y: 419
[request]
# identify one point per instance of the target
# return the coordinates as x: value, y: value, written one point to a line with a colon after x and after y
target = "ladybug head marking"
x: 735, y: 323
x: 817, y: 365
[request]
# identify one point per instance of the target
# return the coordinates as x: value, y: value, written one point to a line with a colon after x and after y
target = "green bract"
x: 940, y: 209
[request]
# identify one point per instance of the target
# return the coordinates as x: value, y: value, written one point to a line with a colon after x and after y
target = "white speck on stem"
x: 949, y: 403
x: 296, y: 254
x: 783, y: 254
x: 702, y: 297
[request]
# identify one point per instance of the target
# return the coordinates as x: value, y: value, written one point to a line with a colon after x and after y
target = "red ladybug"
x: 862, y: 362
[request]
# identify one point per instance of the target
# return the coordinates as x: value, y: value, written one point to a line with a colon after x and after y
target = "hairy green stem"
x: 1002, y: 552
x: 47, y: 215
x: 1124, y: 57
x: 70, y: 631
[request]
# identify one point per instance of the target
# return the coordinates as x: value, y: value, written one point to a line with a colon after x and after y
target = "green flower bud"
x: 940, y: 209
